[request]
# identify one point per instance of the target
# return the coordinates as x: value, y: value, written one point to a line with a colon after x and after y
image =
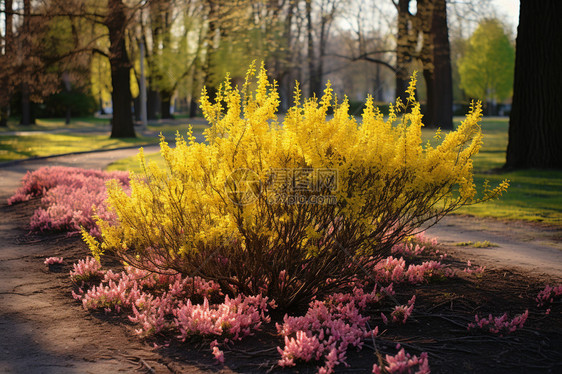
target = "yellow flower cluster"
x: 216, y: 210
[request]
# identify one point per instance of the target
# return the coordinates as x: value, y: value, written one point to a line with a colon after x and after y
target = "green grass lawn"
x: 45, y: 124
x: 533, y: 195
x: 52, y: 136
x: 16, y: 147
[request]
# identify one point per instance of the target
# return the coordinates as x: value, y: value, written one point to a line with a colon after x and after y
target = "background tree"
x: 535, y: 123
x: 116, y: 22
x: 5, y: 61
x: 486, y: 69
x: 436, y: 60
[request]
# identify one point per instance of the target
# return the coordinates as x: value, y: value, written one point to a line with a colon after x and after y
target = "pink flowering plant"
x: 70, y: 197
x: 87, y: 270
x: 549, y: 295
x: 169, y: 302
x: 499, y: 325
x: 54, y: 261
x: 402, y: 363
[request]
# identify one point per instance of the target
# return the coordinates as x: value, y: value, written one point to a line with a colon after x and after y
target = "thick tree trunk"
x: 122, y: 123
x: 437, y: 72
x: 137, y: 108
x: 166, y: 104
x: 26, y: 117
x: 152, y: 103
x: 535, y: 124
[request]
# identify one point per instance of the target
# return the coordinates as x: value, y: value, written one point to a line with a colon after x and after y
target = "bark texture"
x: 535, y: 124
x: 437, y: 66
x: 116, y: 21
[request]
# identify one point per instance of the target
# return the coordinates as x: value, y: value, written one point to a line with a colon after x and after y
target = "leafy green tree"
x: 486, y: 69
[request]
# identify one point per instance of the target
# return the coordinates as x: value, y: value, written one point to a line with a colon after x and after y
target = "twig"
x: 148, y: 367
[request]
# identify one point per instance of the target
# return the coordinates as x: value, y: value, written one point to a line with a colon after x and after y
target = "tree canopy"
x: 486, y: 69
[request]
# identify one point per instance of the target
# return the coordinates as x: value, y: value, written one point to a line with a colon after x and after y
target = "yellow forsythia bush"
x: 296, y: 209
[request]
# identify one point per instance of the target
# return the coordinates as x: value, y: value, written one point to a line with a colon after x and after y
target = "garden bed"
x: 438, y: 323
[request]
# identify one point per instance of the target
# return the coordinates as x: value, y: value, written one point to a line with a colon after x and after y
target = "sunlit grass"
x: 52, y: 136
x: 533, y: 195
x: 91, y: 123
x: 14, y: 147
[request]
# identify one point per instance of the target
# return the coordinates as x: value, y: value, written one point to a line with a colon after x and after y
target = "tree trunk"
x: 535, y: 124
x: 152, y: 103
x: 5, y: 94
x: 166, y: 104
x: 26, y: 117
x: 122, y: 123
x: 315, y: 80
x: 212, y: 47
x: 403, y: 56
x: 137, y: 108
x: 437, y: 68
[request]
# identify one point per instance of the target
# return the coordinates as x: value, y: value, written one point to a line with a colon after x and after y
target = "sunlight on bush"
x: 281, y: 209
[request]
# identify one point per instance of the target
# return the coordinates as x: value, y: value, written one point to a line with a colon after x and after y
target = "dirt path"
x: 41, y: 332
x: 525, y: 246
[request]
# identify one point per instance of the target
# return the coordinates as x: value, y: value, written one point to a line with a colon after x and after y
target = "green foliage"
x: 80, y: 104
x: 486, y: 69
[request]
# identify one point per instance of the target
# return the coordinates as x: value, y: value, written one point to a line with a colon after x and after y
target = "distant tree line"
x: 60, y: 52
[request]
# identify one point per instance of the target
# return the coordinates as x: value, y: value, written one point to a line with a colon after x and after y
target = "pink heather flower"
x: 54, y: 261
x: 86, y: 270
x: 395, y: 270
x: 235, y: 318
x: 403, y: 363
x: 302, y: 348
x: 68, y: 197
x: 499, y: 325
x: 326, y: 331
x: 477, y: 271
x: 219, y: 355
x: 549, y: 294
x: 400, y: 313
x: 384, y: 319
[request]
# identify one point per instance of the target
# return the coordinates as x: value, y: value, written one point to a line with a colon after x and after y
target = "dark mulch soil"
x: 438, y: 325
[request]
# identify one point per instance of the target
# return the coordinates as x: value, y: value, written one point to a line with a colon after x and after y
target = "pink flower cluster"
x: 499, y: 325
x: 549, y: 294
x: 400, y: 313
x: 86, y: 270
x: 478, y: 271
x: 234, y: 318
x: 69, y: 197
x: 37, y: 183
x: 54, y: 261
x: 219, y: 355
x: 403, y: 363
x: 408, y: 249
x: 395, y: 270
x: 328, y: 329
x: 164, y: 302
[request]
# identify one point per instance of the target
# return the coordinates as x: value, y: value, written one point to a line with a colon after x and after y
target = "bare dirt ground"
x: 43, y: 330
